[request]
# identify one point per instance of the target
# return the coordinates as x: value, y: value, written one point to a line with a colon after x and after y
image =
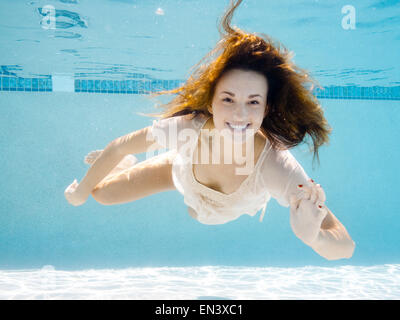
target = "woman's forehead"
x: 245, y: 82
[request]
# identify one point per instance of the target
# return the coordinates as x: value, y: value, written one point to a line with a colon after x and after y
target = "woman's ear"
x: 209, y: 108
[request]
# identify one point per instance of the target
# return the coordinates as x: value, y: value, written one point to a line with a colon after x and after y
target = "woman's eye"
x: 255, y: 102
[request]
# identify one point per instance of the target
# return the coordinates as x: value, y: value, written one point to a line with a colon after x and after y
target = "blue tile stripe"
x: 356, y: 92
x: 141, y: 86
x: 144, y: 85
x: 43, y: 84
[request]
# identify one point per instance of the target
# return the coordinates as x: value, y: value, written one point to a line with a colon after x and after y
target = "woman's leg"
x: 142, y: 179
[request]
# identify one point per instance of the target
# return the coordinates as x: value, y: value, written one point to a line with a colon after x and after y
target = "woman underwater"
x: 245, y: 102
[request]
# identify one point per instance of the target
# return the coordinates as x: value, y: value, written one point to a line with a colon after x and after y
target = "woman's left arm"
x: 317, y: 226
x: 333, y: 241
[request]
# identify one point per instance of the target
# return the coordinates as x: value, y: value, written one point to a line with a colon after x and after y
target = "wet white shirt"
x: 276, y: 174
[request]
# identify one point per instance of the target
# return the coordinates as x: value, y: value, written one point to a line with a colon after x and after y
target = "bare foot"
x: 127, y: 162
x: 92, y: 156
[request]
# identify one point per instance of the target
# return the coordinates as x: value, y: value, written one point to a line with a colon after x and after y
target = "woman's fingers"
x: 321, y: 193
x: 305, y: 192
x: 314, y: 195
x: 319, y: 196
x: 71, y: 188
x: 312, y: 192
x: 73, y: 196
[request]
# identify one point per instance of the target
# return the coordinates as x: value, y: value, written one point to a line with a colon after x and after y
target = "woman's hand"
x: 307, y: 211
x: 74, y: 195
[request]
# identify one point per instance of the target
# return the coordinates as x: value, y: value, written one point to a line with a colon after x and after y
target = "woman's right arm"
x: 133, y: 143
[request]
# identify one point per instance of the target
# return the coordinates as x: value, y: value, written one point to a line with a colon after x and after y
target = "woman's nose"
x: 240, y: 112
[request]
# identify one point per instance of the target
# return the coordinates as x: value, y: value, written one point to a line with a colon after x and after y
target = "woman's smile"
x: 237, y: 127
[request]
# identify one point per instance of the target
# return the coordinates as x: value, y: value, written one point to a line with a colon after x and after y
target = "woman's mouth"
x: 237, y: 127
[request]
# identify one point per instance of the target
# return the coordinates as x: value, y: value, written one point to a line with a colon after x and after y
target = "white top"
x: 276, y: 173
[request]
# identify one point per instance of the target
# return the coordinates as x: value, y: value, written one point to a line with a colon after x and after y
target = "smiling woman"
x: 254, y: 92
x: 75, y: 77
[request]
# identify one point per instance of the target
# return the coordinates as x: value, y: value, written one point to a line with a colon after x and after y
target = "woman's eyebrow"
x: 250, y: 96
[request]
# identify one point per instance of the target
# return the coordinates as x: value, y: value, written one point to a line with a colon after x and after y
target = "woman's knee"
x: 100, y: 196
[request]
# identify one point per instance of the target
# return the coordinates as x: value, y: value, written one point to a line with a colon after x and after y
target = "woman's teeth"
x: 236, y: 127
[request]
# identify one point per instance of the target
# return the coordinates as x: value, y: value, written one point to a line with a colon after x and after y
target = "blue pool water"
x: 75, y: 86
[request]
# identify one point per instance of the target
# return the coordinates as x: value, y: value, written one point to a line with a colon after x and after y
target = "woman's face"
x: 239, y: 102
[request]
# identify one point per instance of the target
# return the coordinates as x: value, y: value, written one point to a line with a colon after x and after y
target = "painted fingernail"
x: 320, y: 207
x: 300, y: 186
x: 312, y: 180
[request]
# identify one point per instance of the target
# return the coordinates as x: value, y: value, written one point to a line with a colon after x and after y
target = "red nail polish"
x: 320, y: 207
x: 300, y: 186
x: 312, y: 180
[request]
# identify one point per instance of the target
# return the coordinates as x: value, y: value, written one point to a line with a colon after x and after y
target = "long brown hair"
x: 293, y: 111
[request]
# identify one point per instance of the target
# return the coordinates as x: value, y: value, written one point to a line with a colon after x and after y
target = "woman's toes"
x: 92, y: 156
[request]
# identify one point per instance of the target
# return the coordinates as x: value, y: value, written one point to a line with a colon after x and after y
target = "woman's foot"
x: 127, y: 162
x: 92, y: 156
